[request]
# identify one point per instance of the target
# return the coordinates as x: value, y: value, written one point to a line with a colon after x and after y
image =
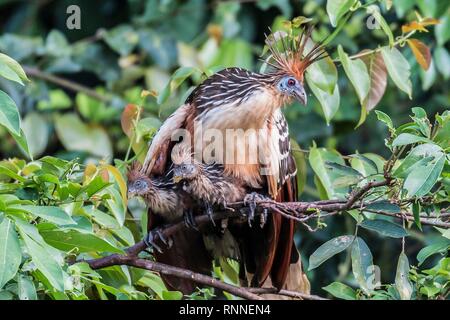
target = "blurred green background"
x: 124, y: 47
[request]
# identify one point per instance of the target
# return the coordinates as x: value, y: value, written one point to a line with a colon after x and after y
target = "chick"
x: 161, y: 196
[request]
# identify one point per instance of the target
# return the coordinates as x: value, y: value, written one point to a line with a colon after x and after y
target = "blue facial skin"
x: 292, y: 87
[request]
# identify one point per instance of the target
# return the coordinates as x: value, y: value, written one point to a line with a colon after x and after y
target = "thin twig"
x: 427, y: 221
x: 73, y: 86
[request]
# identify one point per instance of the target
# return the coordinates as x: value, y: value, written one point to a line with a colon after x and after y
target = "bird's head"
x: 138, y: 183
x: 184, y: 165
x: 185, y: 172
x: 138, y: 187
x: 290, y: 60
x: 293, y: 88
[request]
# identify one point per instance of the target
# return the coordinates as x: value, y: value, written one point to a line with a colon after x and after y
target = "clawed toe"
x: 149, y: 241
x: 153, y: 235
x: 250, y: 200
x: 210, y: 212
x: 189, y: 220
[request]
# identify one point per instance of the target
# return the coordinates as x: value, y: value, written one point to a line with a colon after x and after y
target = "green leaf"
x: 300, y: 161
x: 363, y: 164
x: 12, y: 70
x: 440, y: 246
x: 345, y: 181
x: 233, y: 53
x: 6, y: 295
x: 323, y: 74
x: 36, y: 132
x: 41, y: 254
x: 172, y: 295
x: 22, y: 142
x: 362, y: 265
x: 56, y: 44
x: 329, y: 103
x: 429, y: 76
x: 398, y: 69
x: 442, y: 30
x: 402, y: 283
x: 421, y: 180
x: 337, y: 8
x: 357, y: 72
x: 9, y: 114
x: 385, y: 228
x: 342, y: 169
x: 57, y: 100
x: 49, y: 213
x: 384, y: 205
x: 408, y: 138
x: 96, y: 185
x: 4, y: 170
x: 72, y: 239
x: 78, y: 136
x: 122, y: 39
x: 317, y: 159
x: 329, y: 249
x: 374, y: 10
x: 341, y: 291
x: 116, y: 205
x: 26, y: 289
x: 416, y: 213
x: 383, y: 117
x: 418, y: 156
x: 421, y: 120
x: 176, y: 80
x: 153, y: 282
x: 442, y: 59
x: 10, y: 252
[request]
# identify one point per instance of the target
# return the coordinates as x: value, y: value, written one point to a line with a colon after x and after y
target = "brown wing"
x: 280, y: 234
x: 188, y: 250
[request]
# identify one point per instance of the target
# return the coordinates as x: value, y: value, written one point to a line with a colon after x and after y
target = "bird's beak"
x: 300, y: 94
x: 176, y: 179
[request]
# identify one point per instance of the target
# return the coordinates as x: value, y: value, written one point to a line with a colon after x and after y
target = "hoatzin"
x: 239, y: 99
x: 168, y: 205
x: 205, y: 183
x: 160, y: 194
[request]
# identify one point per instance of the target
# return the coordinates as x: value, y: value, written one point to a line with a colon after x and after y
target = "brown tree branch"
x: 186, y: 274
x: 73, y: 86
x: 299, y: 211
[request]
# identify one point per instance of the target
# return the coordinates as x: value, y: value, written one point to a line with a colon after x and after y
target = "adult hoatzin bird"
x: 239, y: 99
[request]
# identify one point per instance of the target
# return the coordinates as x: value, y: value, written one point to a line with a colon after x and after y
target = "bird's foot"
x: 251, y: 200
x: 209, y: 211
x: 153, y: 236
x: 226, y: 207
x: 189, y: 220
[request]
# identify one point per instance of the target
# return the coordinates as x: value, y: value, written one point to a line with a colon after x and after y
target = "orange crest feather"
x: 295, y: 57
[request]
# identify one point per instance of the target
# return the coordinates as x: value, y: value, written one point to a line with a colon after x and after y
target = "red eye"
x: 291, y: 82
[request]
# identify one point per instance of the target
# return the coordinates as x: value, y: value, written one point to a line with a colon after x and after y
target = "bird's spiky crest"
x: 135, y: 171
x: 181, y: 153
x: 295, y: 57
